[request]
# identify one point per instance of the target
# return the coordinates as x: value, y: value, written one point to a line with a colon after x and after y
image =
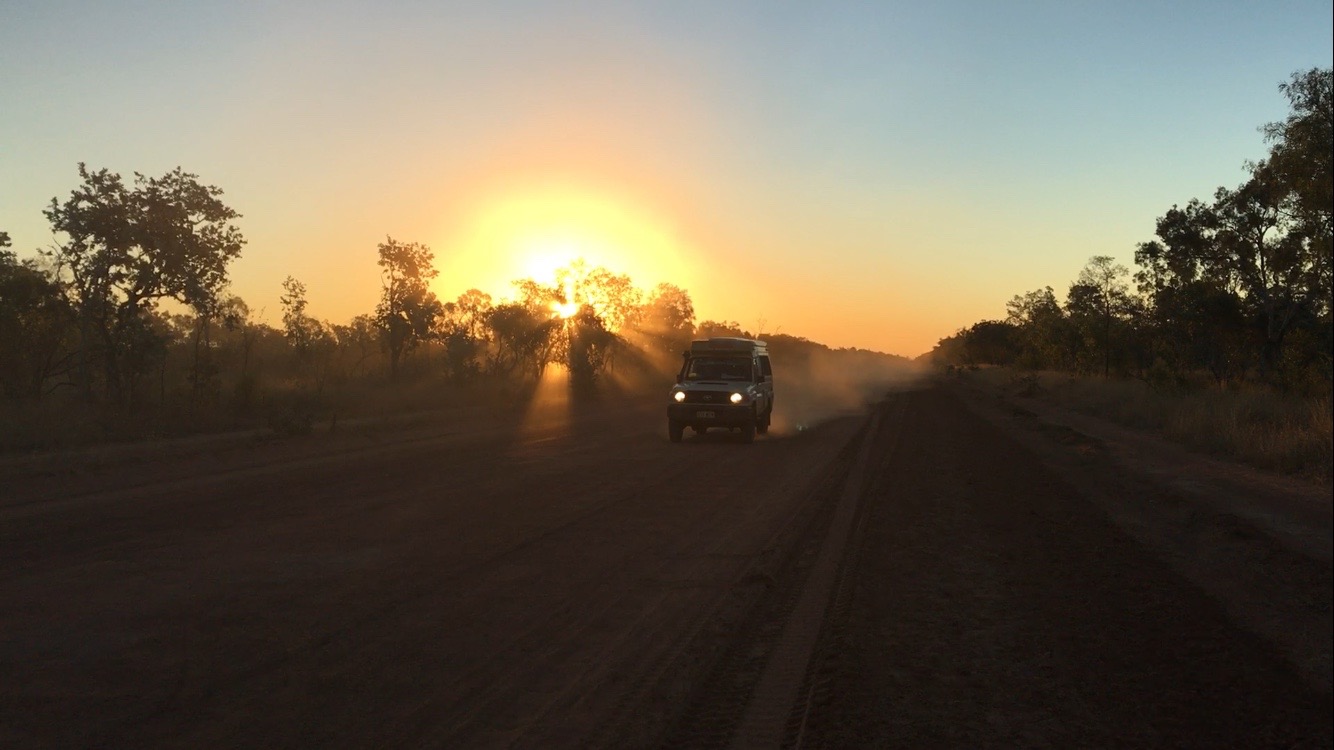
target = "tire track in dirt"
x: 366, y: 600
x: 778, y: 692
x: 474, y: 582
x: 994, y: 605
x: 755, y: 683
x: 556, y: 717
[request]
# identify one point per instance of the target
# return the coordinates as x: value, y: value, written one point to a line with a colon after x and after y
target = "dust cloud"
x: 812, y: 383
x: 833, y: 383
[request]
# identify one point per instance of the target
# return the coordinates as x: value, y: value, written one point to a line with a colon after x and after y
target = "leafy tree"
x: 204, y: 368
x: 34, y: 325
x: 462, y: 328
x: 1235, y: 285
x: 408, y: 309
x: 1244, y: 244
x: 359, y: 339
x: 1199, y: 325
x: 607, y: 304
x: 667, y: 321
x: 1301, y: 168
x: 1046, y: 337
x: 1266, y: 242
x: 590, y: 346
x: 1300, y: 158
x: 524, y: 339
x: 470, y: 311
x: 712, y: 328
x: 988, y: 342
x: 612, y: 296
x: 1100, y: 294
x: 244, y: 334
x: 1184, y: 254
x: 587, y: 308
x: 301, y: 330
x: 127, y: 248
x: 1195, y: 312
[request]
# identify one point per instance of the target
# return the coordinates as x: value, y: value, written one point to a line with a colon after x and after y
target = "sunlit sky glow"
x: 872, y: 174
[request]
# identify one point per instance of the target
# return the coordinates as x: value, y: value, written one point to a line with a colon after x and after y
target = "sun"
x: 540, y: 255
x: 533, y: 233
x: 564, y: 309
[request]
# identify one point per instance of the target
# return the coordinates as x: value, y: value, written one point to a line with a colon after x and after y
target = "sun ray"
x: 548, y: 412
x: 533, y: 233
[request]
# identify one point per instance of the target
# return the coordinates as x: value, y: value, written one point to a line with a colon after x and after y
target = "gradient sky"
x: 873, y: 174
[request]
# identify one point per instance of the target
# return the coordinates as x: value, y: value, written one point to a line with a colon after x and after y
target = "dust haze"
x: 827, y: 384
x: 812, y: 382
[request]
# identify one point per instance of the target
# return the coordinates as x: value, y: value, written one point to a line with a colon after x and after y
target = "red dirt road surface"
x: 943, y: 571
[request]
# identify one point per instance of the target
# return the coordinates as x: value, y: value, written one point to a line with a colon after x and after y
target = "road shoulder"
x: 1258, y: 543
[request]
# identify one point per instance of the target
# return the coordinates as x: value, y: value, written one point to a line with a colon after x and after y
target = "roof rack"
x: 728, y: 344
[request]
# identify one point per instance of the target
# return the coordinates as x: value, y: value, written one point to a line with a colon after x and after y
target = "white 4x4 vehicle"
x: 724, y: 382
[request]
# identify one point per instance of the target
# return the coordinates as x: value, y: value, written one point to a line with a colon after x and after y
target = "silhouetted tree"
x: 301, y: 330
x: 1301, y: 164
x: 1199, y: 324
x: 463, y: 331
x: 589, y: 347
x: 1099, y: 298
x: 408, y: 309
x: 125, y: 249
x: 34, y: 325
x: 470, y: 311
x: 667, y: 322
x: 612, y: 296
x: 523, y: 337
x: 712, y: 328
x: 585, y: 311
x: 988, y: 342
x: 243, y: 334
x: 358, y: 340
x: 1045, y: 334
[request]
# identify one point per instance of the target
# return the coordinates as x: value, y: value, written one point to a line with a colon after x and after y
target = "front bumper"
x: 712, y: 415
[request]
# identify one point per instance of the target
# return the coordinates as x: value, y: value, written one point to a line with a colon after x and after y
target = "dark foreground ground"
x: 950, y: 574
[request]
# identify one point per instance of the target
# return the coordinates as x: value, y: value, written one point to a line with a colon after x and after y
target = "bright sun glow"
x: 564, y: 309
x: 531, y: 234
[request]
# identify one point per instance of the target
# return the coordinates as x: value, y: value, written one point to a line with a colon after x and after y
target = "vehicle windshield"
x: 718, y: 368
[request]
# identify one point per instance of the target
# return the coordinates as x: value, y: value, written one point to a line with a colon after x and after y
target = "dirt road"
x: 581, y: 582
x: 1014, y: 586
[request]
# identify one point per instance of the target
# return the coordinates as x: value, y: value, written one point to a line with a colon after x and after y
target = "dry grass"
x: 283, y: 407
x: 1268, y: 430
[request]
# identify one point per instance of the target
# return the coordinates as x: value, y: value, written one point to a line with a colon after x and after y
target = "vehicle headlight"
x: 679, y: 396
x: 737, y: 398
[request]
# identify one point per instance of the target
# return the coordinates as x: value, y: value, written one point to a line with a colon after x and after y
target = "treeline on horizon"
x: 128, y: 314
x: 1233, y: 290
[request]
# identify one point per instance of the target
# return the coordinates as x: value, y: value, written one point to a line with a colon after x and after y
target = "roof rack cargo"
x: 729, y: 344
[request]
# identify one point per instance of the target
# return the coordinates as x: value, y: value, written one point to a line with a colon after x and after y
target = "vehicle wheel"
x: 674, y: 430
x: 763, y: 426
x: 748, y: 433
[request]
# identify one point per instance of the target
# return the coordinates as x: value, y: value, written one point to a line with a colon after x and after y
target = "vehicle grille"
x: 708, y: 397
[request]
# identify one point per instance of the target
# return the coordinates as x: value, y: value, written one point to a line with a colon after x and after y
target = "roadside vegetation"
x: 1221, y: 338
x: 1263, y: 427
x: 125, y: 328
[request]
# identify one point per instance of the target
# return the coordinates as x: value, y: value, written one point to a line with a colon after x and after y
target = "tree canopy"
x: 123, y: 248
x: 1238, y: 286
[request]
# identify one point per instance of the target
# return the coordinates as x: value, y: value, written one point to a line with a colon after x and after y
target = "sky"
x: 875, y: 175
